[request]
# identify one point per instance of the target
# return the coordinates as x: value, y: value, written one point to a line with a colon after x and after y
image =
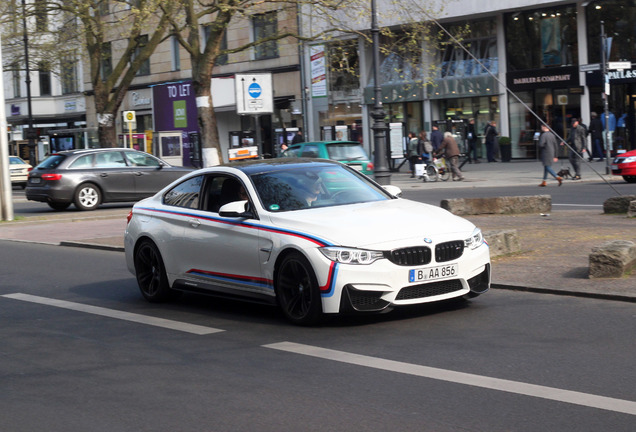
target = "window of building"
x: 175, y: 51
x: 107, y: 60
x: 265, y: 26
x: 344, y: 66
x: 481, y: 41
x: 41, y: 16
x: 44, y: 72
x: 619, y: 18
x: 221, y: 59
x: 68, y: 70
x: 541, y: 38
x: 144, y: 69
x: 15, y: 77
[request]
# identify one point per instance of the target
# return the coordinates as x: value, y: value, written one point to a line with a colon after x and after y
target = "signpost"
x: 129, y: 119
x: 254, y: 96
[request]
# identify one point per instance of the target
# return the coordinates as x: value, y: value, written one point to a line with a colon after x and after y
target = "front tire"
x: 151, y: 273
x: 87, y: 197
x: 630, y: 179
x: 297, y: 290
x: 431, y: 172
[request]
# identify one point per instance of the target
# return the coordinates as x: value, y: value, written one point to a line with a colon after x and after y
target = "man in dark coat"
x: 577, y: 143
x: 596, y: 133
x: 436, y: 138
x: 490, y: 132
x: 548, y: 150
x: 471, y: 139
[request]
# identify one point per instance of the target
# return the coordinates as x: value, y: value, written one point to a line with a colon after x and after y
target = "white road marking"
x: 112, y: 313
x: 551, y: 393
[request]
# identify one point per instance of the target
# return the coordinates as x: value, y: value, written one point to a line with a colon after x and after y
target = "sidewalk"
x: 555, y: 248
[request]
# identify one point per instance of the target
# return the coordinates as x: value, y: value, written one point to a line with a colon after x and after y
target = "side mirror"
x: 393, y: 190
x: 236, y: 209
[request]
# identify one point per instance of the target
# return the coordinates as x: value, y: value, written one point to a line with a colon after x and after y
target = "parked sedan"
x: 90, y: 177
x: 314, y: 236
x: 19, y: 171
x: 348, y: 152
x: 625, y: 165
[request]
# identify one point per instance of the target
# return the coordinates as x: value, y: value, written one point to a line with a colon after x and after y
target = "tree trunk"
x: 210, y: 145
x: 106, y: 132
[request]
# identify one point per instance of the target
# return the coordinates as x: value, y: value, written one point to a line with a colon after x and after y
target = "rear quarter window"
x: 51, y: 162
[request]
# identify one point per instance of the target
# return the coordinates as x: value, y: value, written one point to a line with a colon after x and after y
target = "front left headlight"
x: 475, y: 240
x: 344, y: 255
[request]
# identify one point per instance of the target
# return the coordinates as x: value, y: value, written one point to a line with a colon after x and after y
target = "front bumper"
x: 384, y: 285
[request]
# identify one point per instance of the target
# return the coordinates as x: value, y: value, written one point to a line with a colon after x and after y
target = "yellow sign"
x: 129, y: 116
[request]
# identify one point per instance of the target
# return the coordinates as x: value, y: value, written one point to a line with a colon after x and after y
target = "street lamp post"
x: 381, y: 170
x: 606, y: 91
x: 30, y: 132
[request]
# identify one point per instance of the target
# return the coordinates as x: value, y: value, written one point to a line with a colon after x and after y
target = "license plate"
x: 432, y: 273
x: 35, y: 180
x: 614, y: 166
x: 356, y: 167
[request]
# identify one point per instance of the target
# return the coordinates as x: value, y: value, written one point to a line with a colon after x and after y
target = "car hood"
x: 377, y: 225
x: 627, y: 154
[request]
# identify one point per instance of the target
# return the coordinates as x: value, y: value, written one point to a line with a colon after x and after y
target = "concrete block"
x: 502, y: 242
x: 612, y: 259
x: 618, y: 204
x: 631, y: 211
x: 498, y: 205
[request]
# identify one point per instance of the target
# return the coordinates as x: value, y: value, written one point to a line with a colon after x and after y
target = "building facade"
x: 518, y: 61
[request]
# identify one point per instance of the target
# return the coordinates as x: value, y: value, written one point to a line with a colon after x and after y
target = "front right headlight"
x: 344, y: 255
x: 475, y: 240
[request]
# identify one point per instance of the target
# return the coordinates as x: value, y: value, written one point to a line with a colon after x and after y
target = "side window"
x: 310, y: 151
x: 109, y: 160
x: 185, y: 194
x: 222, y: 190
x: 82, y: 162
x: 141, y: 160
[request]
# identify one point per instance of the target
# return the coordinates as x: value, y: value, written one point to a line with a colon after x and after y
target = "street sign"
x: 129, y: 116
x: 254, y: 93
x: 589, y: 67
x: 622, y: 65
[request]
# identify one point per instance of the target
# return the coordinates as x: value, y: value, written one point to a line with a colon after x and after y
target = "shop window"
x: 619, y: 17
x: 541, y: 38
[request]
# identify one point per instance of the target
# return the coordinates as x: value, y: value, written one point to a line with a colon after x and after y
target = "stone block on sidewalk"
x: 631, y: 211
x: 612, y: 259
x: 498, y: 205
x: 502, y: 242
x: 619, y: 204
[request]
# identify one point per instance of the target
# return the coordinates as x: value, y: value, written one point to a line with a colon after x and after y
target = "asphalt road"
x: 102, y: 361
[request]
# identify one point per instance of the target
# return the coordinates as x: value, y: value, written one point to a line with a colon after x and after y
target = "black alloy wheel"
x: 297, y: 290
x: 151, y: 273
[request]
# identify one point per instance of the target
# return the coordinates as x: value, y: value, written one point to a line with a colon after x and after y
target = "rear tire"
x: 87, y: 197
x: 297, y: 290
x: 151, y: 274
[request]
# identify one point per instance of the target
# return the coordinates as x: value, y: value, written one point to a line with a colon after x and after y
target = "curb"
x: 567, y: 293
x: 79, y: 244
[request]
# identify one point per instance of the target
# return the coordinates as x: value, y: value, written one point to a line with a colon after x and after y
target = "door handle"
x: 138, y: 173
x: 103, y: 174
x: 194, y: 223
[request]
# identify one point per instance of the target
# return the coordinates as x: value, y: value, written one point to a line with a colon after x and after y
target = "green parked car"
x: 348, y: 152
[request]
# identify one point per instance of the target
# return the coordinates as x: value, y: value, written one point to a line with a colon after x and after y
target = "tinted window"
x: 301, y: 188
x: 52, y: 161
x: 310, y: 151
x: 141, y: 160
x: 346, y: 152
x: 185, y: 194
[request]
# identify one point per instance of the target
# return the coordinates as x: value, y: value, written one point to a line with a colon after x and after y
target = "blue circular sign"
x: 254, y: 90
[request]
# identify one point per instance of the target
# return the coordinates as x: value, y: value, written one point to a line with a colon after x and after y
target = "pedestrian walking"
x: 577, y: 149
x: 548, y: 150
x: 451, y: 149
x: 425, y: 148
x: 298, y: 138
x: 471, y: 139
x: 491, y: 133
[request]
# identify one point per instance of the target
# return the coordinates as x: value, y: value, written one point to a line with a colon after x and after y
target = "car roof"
x: 257, y: 166
x: 327, y: 142
x: 91, y: 150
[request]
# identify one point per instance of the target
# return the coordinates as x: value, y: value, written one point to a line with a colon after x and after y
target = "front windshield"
x: 305, y: 187
x: 346, y: 152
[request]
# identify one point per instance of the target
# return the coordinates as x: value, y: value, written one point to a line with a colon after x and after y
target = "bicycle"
x: 436, y: 169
